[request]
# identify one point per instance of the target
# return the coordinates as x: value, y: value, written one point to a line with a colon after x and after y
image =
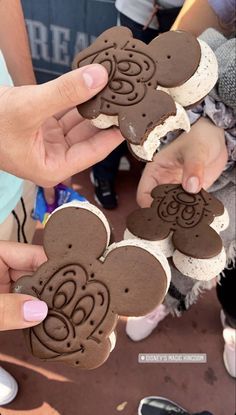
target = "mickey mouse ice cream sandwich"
x: 185, y: 227
x: 148, y: 84
x: 86, y: 284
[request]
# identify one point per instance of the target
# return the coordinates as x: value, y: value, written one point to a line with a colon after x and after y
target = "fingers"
x: 20, y: 311
x: 69, y: 120
x: 147, y: 182
x: 35, y: 104
x: 21, y: 257
x: 49, y: 194
x: 193, y: 173
x: 195, y: 154
x: 81, y: 132
x: 70, y: 89
x: 163, y: 169
x: 88, y: 152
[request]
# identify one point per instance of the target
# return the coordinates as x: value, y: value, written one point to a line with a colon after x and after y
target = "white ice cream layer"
x: 164, y: 246
x: 200, y: 269
x: 178, y: 121
x: 105, y: 121
x: 201, y: 83
x: 220, y: 223
x: 112, y: 339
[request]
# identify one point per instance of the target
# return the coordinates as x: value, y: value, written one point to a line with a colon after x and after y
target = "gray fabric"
x: 225, y: 51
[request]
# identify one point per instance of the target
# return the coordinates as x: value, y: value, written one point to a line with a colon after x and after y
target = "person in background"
x: 146, y: 19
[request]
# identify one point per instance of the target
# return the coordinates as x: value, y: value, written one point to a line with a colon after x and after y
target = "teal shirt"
x: 11, y: 187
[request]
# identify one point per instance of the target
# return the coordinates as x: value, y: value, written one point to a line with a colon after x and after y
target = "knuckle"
x: 67, y: 89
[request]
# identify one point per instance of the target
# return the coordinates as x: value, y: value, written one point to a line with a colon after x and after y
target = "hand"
x: 19, y: 310
x: 49, y: 150
x: 195, y: 159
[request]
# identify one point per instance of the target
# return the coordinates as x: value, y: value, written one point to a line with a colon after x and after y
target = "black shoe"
x: 105, y: 194
x: 155, y: 405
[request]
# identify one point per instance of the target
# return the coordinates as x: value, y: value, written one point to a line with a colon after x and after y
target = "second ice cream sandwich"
x: 185, y: 227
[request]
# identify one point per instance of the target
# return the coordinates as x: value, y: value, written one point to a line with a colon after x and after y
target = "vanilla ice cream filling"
x: 220, y: 223
x: 174, y: 122
x: 201, y: 83
x: 164, y: 246
x: 198, y: 268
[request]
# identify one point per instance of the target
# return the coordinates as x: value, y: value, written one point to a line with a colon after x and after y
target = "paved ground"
x: 117, y: 387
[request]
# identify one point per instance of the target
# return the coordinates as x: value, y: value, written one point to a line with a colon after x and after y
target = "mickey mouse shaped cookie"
x: 185, y: 226
x: 86, y: 284
x: 148, y: 85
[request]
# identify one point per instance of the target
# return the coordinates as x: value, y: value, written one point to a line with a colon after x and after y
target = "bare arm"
x: 196, y: 16
x: 14, y: 42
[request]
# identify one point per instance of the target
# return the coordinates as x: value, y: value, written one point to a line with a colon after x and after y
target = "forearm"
x: 14, y: 42
x: 196, y: 16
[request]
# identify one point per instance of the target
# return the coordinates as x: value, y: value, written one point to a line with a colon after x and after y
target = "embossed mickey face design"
x: 186, y: 216
x: 86, y: 286
x: 129, y: 73
x: 135, y: 70
x: 76, y: 308
x: 182, y: 209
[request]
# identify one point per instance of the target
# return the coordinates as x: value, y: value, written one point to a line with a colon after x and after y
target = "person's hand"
x: 46, y: 148
x: 19, y: 310
x: 49, y: 192
x: 195, y: 159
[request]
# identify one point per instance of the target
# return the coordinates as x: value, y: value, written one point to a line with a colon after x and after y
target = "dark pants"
x: 107, y: 169
x: 226, y: 293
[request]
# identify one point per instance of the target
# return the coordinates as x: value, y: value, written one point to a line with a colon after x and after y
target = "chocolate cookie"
x: 86, y: 284
x: 186, y: 226
x: 135, y: 71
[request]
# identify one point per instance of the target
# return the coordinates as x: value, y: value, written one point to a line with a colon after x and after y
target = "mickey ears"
x: 116, y: 36
x: 137, y: 276
x: 177, y: 56
x: 78, y: 228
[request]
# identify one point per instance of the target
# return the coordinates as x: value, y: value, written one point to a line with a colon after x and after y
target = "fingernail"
x: 35, y: 310
x: 94, y: 76
x: 192, y: 185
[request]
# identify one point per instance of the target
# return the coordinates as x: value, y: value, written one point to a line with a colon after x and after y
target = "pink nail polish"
x: 35, y: 310
x: 94, y: 76
x: 192, y: 185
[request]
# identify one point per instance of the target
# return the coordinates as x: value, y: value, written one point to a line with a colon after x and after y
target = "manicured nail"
x: 94, y: 76
x: 35, y: 310
x: 192, y: 185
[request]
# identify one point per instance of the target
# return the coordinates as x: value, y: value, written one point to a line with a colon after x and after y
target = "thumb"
x: 19, y: 311
x: 194, y: 163
x: 65, y: 92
